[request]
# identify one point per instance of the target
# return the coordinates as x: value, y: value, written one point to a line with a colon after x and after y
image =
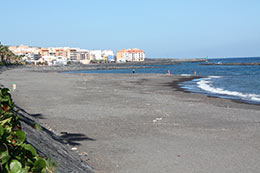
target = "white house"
x: 96, y: 55
x: 49, y: 59
x: 107, y: 53
x: 61, y: 61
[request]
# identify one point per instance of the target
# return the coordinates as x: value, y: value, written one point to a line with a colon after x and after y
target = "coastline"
x: 119, y: 111
x: 240, y: 101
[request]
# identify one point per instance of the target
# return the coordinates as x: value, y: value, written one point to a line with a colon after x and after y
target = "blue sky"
x: 165, y: 28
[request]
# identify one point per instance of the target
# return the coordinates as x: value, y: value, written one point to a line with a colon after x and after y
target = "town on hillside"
x: 66, y: 55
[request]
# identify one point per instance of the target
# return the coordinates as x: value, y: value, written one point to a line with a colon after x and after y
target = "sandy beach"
x: 141, y: 122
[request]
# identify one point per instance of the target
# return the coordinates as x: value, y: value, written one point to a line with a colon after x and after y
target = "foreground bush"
x: 16, y: 156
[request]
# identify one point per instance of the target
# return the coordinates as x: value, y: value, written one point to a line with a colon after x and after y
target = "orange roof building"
x: 129, y: 55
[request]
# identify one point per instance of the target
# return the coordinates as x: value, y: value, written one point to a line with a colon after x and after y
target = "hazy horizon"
x: 166, y: 29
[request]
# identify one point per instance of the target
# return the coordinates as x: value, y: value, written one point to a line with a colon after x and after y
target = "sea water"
x: 237, y: 82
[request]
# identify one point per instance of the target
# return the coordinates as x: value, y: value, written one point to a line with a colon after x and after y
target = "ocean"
x: 237, y: 82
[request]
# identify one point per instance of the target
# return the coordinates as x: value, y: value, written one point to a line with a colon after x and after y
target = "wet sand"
x: 142, y: 122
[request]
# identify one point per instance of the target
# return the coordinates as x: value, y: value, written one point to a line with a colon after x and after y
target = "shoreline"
x: 132, y: 65
x: 133, y: 118
x: 213, y: 95
x: 78, y: 69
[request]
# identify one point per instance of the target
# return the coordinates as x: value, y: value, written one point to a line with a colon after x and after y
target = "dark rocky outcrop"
x: 108, y: 66
x: 51, y: 145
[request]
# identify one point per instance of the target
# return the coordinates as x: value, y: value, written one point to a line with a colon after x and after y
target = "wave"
x: 206, y: 85
x: 185, y: 74
x: 216, y: 77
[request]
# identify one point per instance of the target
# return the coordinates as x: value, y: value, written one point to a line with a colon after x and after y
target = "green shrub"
x: 16, y: 156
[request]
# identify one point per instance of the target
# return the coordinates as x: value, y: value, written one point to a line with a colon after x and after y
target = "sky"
x: 163, y: 28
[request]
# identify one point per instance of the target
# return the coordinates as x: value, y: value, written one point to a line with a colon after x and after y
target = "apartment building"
x: 44, y: 52
x: 62, y: 55
x: 24, y: 50
x: 96, y: 55
x: 136, y: 54
x: 83, y: 56
x: 71, y: 55
x: 130, y: 55
x: 120, y: 56
x: 52, y: 51
x: 60, y: 52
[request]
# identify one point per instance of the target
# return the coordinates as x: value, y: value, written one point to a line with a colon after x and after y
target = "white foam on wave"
x: 206, y: 84
x: 185, y: 75
x: 216, y: 77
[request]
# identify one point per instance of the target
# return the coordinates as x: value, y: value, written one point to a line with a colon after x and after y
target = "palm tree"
x: 1, y: 53
x: 5, y: 53
x: 7, y: 56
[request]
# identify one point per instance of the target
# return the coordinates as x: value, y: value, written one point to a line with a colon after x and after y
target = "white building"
x: 52, y: 51
x: 83, y: 56
x: 49, y: 59
x: 136, y: 54
x: 53, y: 60
x: 61, y: 61
x: 107, y: 53
x: 96, y: 55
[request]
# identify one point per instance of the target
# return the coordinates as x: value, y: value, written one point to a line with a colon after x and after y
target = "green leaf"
x: 4, y: 156
x: 8, y: 120
x: 20, y: 136
x: 1, y: 110
x: 14, y: 153
x: 23, y: 170
x: 1, y: 131
x: 30, y: 148
x: 39, y: 165
x: 5, y: 91
x: 15, y: 166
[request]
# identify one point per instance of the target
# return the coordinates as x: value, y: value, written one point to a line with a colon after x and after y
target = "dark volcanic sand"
x: 142, y: 122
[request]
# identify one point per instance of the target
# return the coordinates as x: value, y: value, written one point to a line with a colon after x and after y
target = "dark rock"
x: 51, y: 146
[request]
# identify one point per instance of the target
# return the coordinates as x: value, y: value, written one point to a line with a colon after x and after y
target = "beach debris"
x: 74, y: 149
x: 14, y: 86
x: 156, y: 120
x: 83, y: 154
